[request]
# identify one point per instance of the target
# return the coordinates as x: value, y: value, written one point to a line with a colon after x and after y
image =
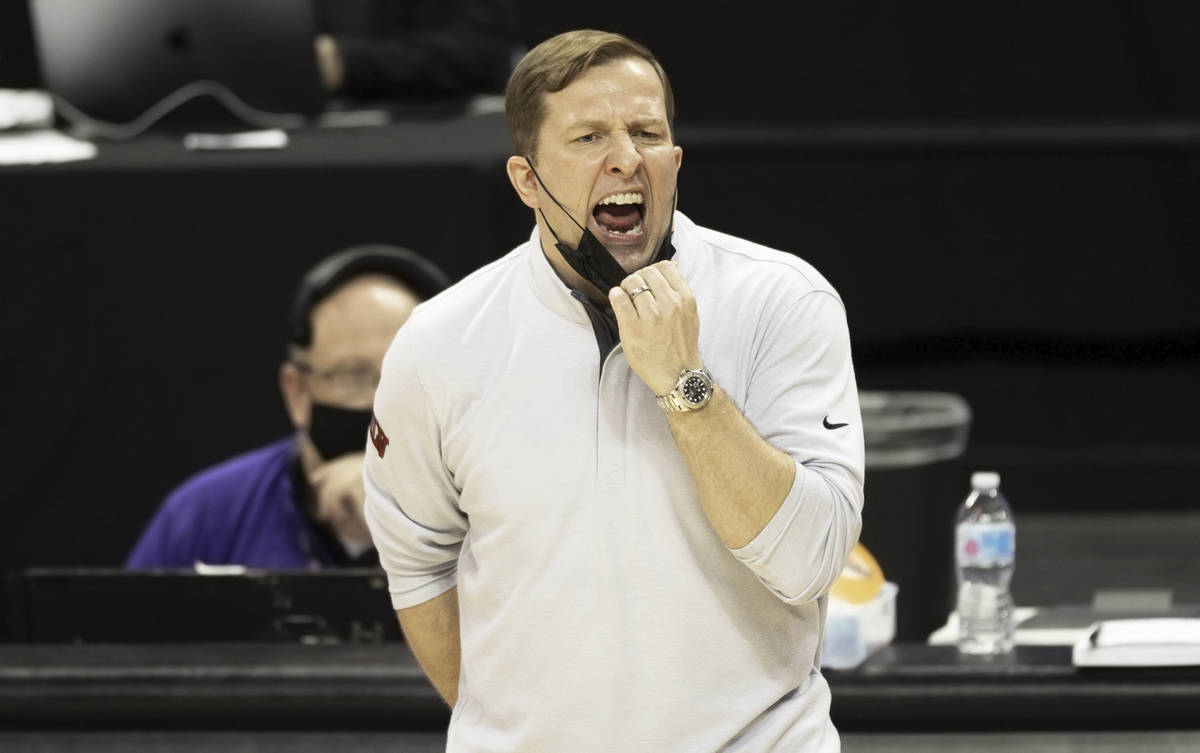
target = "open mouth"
x: 621, y: 214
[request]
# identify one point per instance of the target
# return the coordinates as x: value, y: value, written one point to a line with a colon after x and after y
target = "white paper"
x: 1165, y: 631
x: 1150, y: 642
x: 25, y: 108
x: 203, y: 568
x: 947, y: 635
x: 42, y: 146
x: 271, y: 138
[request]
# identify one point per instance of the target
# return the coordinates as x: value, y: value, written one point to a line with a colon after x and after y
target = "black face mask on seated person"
x: 591, y: 259
x: 337, y: 431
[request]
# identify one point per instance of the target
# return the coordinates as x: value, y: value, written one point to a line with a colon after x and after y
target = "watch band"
x: 671, y: 403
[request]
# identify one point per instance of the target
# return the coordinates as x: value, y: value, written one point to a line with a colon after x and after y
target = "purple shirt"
x: 243, y: 511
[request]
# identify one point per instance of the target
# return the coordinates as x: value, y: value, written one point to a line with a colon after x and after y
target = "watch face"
x: 695, y: 389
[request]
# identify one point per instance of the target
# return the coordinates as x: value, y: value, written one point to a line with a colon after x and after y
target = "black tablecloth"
x: 905, y: 687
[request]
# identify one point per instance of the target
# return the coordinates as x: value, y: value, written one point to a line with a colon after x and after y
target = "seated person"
x: 297, y: 503
x: 418, y: 50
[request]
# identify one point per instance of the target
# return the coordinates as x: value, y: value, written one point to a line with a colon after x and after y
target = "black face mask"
x: 591, y: 259
x: 338, y: 431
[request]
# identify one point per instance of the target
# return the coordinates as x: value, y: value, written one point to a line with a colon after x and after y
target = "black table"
x: 916, y: 687
x: 905, y: 688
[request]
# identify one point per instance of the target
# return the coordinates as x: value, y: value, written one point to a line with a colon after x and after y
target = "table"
x: 905, y: 688
x: 196, y: 741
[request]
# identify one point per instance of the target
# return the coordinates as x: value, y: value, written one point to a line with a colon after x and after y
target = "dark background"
x: 1004, y: 194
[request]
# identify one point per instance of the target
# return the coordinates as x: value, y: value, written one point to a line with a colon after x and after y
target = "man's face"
x: 352, y: 330
x: 605, y: 151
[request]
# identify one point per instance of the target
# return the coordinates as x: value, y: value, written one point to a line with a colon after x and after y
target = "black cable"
x: 87, y: 127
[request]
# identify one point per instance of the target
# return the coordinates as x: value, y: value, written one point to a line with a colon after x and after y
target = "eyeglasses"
x: 346, y: 383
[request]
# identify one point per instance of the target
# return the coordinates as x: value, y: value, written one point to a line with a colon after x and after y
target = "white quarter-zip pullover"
x: 599, y: 610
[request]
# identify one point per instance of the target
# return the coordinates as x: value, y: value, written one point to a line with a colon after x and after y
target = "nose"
x: 624, y: 158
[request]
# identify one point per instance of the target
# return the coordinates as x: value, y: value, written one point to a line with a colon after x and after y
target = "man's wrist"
x: 670, y: 380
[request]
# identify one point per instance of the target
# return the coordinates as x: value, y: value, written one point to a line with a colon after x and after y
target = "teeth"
x: 623, y: 198
x: 635, y: 229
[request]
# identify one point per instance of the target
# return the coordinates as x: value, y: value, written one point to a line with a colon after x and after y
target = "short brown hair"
x: 553, y: 65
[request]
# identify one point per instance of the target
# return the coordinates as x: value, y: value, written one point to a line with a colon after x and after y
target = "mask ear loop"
x: 674, y: 208
x: 588, y: 262
x: 582, y: 258
x: 542, y: 183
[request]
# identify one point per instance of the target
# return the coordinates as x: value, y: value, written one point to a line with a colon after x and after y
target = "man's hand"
x: 338, y: 486
x: 740, y: 478
x: 660, y: 327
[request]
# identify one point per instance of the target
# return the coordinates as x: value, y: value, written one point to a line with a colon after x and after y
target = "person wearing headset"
x: 297, y: 503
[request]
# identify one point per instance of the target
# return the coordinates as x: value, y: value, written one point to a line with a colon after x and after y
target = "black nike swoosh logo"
x: 832, y: 426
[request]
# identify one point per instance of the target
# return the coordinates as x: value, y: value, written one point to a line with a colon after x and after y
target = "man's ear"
x: 520, y: 174
x: 296, y: 399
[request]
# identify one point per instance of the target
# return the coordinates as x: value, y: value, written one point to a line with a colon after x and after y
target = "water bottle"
x: 985, y: 553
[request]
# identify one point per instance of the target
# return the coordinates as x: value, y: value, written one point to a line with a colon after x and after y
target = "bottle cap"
x: 982, y: 481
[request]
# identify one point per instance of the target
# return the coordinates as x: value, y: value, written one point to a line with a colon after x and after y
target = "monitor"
x: 114, y: 61
x: 99, y: 605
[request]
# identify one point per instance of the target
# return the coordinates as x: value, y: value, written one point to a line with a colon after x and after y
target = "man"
x: 297, y: 503
x: 618, y: 552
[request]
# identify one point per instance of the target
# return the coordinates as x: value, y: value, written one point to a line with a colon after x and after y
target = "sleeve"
x: 411, y: 503
x: 449, y: 49
x: 802, y: 398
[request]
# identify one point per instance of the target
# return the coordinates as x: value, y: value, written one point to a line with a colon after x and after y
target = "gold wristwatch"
x: 692, y: 392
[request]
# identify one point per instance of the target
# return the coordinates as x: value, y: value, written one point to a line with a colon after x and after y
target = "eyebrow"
x: 599, y: 125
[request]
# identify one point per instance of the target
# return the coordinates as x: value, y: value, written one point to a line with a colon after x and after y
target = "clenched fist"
x: 659, y: 324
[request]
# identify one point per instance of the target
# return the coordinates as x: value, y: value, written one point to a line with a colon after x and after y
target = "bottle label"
x: 985, y: 544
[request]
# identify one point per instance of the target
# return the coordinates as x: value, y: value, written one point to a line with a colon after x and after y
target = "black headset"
x: 416, y: 272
